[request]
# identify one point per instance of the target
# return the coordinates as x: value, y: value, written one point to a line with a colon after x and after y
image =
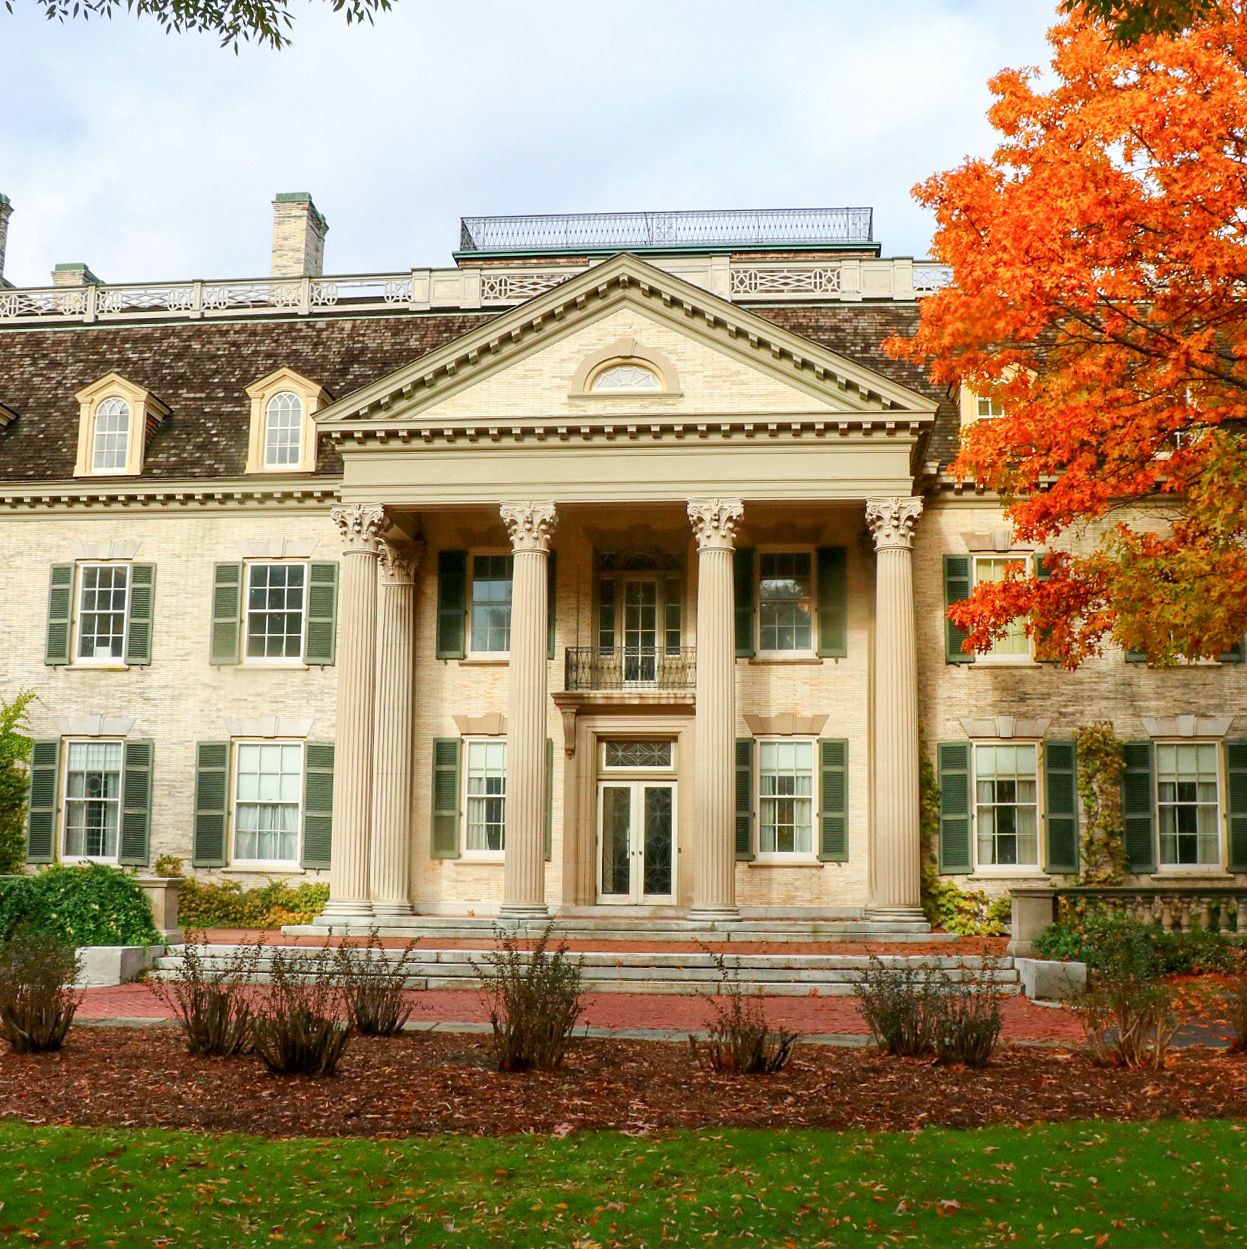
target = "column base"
x: 523, y: 910
x: 345, y: 910
x: 714, y: 914
x: 897, y: 915
x: 380, y: 909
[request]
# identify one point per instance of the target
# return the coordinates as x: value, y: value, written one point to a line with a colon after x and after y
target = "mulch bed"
x: 423, y: 1083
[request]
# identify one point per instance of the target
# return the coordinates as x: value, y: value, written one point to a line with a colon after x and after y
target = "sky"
x: 156, y: 157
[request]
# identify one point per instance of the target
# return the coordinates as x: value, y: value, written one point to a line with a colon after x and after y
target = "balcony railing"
x: 630, y: 668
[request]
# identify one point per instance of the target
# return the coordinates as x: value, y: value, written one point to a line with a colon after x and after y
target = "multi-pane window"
x: 268, y: 787
x: 627, y: 377
x: 1187, y: 804
x: 491, y: 604
x: 786, y: 601
x: 283, y: 430
x: 786, y: 797
x: 486, y: 807
x: 102, y: 593
x: 92, y: 799
x: 1006, y: 804
x: 1014, y: 643
x: 110, y: 443
x: 988, y: 408
x: 275, y: 610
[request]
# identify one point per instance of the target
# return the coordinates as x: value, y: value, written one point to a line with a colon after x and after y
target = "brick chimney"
x: 74, y: 274
x: 6, y: 210
x: 298, y: 236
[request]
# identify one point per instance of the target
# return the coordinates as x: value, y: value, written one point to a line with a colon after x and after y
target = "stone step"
x: 807, y: 934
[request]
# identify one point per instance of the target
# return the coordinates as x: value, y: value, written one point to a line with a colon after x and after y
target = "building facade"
x: 607, y: 569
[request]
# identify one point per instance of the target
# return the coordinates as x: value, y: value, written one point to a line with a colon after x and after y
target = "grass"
x: 1108, y: 1185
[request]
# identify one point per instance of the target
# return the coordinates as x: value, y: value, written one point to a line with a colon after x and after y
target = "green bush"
x: 967, y: 912
x: 226, y: 904
x: 1107, y: 940
x: 89, y: 905
x: 14, y: 781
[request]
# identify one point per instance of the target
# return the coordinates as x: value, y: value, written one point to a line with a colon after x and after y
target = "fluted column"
x: 531, y: 526
x: 390, y: 859
x: 895, y: 864
x: 714, y: 867
x: 361, y: 526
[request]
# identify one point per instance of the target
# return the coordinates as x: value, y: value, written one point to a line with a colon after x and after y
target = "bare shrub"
x: 37, y: 997
x: 213, y: 1005
x: 903, y: 1005
x: 374, y: 986
x: 968, y: 1027
x: 1128, y: 1023
x: 1234, y: 1005
x: 741, y: 1038
x: 534, y: 1000
x: 299, y: 1029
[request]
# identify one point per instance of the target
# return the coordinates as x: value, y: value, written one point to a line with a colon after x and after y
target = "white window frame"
x: 63, y: 823
x: 615, y: 769
x: 235, y: 772
x: 100, y: 661
x: 626, y: 362
x: 273, y: 661
x: 1008, y: 869
x: 1008, y: 557
x: 473, y: 651
x: 1190, y: 869
x: 111, y: 401
x: 470, y: 854
x: 787, y: 856
x: 811, y: 651
x: 300, y: 414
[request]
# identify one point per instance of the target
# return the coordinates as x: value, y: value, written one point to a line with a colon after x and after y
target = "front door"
x: 640, y: 630
x: 636, y: 842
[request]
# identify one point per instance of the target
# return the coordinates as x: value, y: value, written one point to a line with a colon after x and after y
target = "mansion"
x: 607, y: 568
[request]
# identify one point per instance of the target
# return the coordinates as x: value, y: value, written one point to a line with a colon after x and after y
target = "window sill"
x: 783, y: 860
x: 778, y: 657
x: 484, y: 661
x: 102, y: 665
x: 989, y: 872
x: 90, y: 858
x: 245, y: 868
x: 1177, y: 871
x: 1004, y: 661
x: 477, y: 858
x: 287, y: 665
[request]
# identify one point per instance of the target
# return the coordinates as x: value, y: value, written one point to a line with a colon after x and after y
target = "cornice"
x: 229, y: 493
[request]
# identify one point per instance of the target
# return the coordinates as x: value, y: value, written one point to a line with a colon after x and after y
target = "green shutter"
x: 1234, y: 655
x: 211, y: 802
x: 745, y: 593
x: 322, y: 614
x: 744, y: 798
x: 957, y: 587
x: 1136, y: 657
x: 1061, y: 807
x: 1236, y: 802
x: 833, y: 822
x: 446, y: 755
x: 833, y: 602
x: 139, y: 621
x: 1039, y: 565
x: 549, y: 836
x: 1138, y: 810
x: 136, y: 805
x: 60, y: 609
x: 452, y: 603
x: 41, y: 811
x: 226, y: 614
x: 954, y: 768
x: 317, y: 804
x: 551, y: 600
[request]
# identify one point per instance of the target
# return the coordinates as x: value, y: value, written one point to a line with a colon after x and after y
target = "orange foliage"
x: 1100, y: 259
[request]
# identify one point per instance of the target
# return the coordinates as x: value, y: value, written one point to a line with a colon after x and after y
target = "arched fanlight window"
x: 625, y: 375
x: 110, y: 444
x: 283, y: 430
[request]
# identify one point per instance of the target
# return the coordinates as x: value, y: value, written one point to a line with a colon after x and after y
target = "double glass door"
x: 636, y: 841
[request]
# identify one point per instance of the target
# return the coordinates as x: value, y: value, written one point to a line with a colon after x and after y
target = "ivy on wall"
x: 1101, y: 765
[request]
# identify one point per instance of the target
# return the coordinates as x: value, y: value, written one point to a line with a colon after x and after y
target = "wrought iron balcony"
x: 630, y: 668
x: 763, y: 227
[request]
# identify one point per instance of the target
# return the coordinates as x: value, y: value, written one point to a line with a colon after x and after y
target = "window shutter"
x: 317, y: 804
x: 322, y: 614
x: 954, y: 768
x: 446, y: 755
x: 211, y: 802
x: 833, y: 823
x: 1234, y: 655
x: 956, y: 589
x: 833, y: 602
x: 41, y: 811
x: 1061, y: 807
x: 60, y: 609
x: 1236, y: 802
x: 1136, y: 657
x: 452, y: 604
x: 743, y: 564
x: 136, y: 805
x: 744, y: 797
x: 1138, y: 811
x: 1043, y: 652
x: 139, y: 623
x: 226, y: 613
x: 549, y: 798
x: 551, y: 600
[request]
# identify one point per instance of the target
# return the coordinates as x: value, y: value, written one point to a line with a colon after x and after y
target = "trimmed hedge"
x: 226, y: 904
x: 89, y: 905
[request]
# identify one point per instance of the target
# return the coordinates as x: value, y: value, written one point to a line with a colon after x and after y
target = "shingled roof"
x: 200, y: 371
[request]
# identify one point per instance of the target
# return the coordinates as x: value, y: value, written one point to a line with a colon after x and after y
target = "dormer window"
x: 110, y: 443
x: 283, y: 430
x: 283, y: 433
x: 115, y: 420
x: 626, y: 376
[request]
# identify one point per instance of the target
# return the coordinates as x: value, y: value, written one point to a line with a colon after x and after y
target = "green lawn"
x: 1097, y: 1184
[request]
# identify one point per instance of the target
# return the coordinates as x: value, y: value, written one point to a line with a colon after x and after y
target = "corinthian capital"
x: 892, y: 522
x: 399, y: 562
x: 360, y: 524
x: 715, y: 521
x: 530, y: 525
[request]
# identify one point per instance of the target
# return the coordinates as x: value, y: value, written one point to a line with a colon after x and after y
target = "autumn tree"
x: 1100, y: 295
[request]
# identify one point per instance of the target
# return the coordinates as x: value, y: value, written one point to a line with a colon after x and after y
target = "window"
x: 103, y: 591
x: 110, y: 444
x: 486, y: 806
x: 1006, y: 805
x: 637, y: 754
x: 275, y: 598
x: 92, y: 799
x: 1187, y: 803
x: 1015, y: 644
x: 490, y: 612
x: 786, y: 793
x: 786, y: 601
x: 283, y: 430
x: 268, y: 786
x: 988, y: 408
x: 626, y: 376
